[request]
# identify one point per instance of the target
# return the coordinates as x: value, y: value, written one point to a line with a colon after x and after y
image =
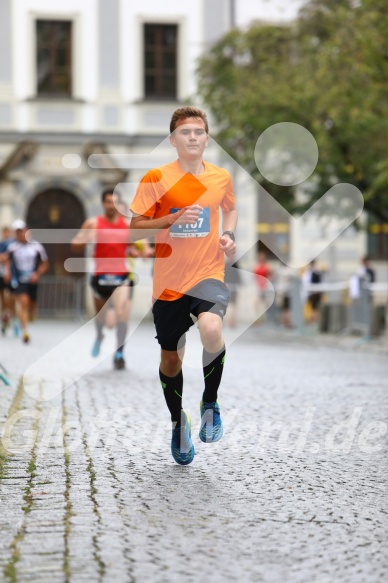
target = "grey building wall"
x: 5, y: 42
x: 64, y: 117
x: 5, y: 114
x: 108, y: 43
x: 217, y: 19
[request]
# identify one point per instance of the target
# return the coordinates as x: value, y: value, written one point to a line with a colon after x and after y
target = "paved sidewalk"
x: 294, y: 492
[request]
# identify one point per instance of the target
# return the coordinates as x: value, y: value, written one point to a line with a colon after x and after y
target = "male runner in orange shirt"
x: 179, y: 203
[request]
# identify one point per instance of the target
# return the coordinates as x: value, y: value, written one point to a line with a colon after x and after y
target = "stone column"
x: 7, y: 209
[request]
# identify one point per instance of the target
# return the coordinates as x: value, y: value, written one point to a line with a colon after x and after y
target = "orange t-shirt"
x: 185, y: 255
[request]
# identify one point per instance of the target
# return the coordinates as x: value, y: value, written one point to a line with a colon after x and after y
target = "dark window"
x: 160, y: 61
x: 53, y: 57
x: 377, y: 239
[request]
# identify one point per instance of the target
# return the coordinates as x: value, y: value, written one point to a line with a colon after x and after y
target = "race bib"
x: 25, y: 276
x: 199, y: 229
x: 112, y: 280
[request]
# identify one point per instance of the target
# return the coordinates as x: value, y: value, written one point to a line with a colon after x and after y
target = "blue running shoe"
x: 118, y: 360
x: 96, y: 346
x: 182, y: 447
x: 211, y: 424
x: 4, y: 379
x: 16, y: 327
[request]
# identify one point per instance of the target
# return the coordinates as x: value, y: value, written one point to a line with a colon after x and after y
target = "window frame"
x: 160, y: 95
x: 52, y: 46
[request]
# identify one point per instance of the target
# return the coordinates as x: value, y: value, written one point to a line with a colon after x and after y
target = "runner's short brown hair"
x: 185, y: 112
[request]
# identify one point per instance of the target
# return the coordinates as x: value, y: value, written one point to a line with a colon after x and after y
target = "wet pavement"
x: 294, y: 492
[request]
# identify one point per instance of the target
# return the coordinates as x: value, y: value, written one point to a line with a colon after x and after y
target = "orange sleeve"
x: 146, y: 197
x: 228, y: 202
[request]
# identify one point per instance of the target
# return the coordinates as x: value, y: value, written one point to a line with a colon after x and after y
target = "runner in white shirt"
x: 26, y: 262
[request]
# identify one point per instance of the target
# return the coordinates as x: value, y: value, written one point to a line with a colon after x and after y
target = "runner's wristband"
x: 231, y: 235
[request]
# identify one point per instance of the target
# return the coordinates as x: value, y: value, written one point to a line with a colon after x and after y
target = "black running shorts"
x: 30, y: 289
x: 104, y: 285
x: 3, y: 285
x: 173, y: 319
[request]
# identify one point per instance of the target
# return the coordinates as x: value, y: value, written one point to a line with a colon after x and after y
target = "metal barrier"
x: 61, y: 297
x: 364, y: 311
x: 361, y: 315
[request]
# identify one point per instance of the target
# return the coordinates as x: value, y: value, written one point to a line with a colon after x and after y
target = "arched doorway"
x: 56, y: 208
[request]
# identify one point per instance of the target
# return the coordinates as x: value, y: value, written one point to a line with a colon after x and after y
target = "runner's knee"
x: 210, y: 334
x: 170, y: 363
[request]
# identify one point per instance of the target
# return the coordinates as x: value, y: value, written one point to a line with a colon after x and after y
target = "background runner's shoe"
x: 97, y: 346
x: 4, y: 323
x: 182, y: 447
x: 26, y: 338
x: 211, y: 423
x: 16, y: 327
x: 118, y: 361
x: 4, y: 379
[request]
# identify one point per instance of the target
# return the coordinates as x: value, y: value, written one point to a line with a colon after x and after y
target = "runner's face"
x: 109, y: 205
x: 20, y: 235
x: 190, y: 138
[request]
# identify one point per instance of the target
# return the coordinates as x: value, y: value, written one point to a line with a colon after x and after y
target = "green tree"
x: 327, y: 71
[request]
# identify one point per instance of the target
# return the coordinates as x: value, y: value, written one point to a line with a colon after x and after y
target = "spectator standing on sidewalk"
x: 312, y: 276
x: 365, y: 271
x: 283, y: 282
x: 263, y: 272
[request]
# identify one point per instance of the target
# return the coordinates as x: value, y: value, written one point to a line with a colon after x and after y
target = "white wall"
x: 24, y: 14
x: 269, y: 10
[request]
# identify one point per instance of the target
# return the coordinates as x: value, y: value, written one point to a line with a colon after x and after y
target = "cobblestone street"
x: 294, y: 492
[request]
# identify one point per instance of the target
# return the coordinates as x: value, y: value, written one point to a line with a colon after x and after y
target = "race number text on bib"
x: 24, y: 276
x: 199, y: 229
x: 114, y: 280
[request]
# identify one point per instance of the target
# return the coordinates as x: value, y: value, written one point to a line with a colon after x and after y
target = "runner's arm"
x: 188, y: 214
x: 229, y: 220
x: 138, y: 248
x: 84, y: 236
x: 7, y: 265
x: 141, y: 249
x: 133, y: 251
x: 229, y: 223
x: 147, y: 250
x: 43, y: 267
x: 40, y: 270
